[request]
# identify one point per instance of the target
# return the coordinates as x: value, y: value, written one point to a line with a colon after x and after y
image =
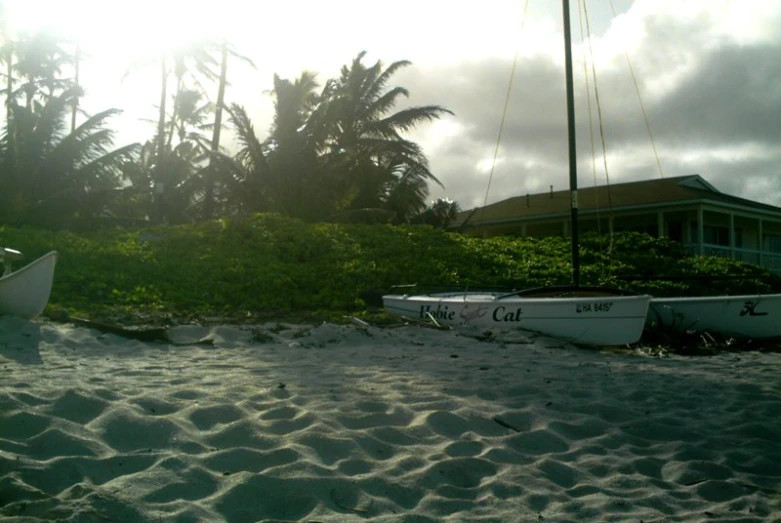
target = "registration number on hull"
x: 593, y: 307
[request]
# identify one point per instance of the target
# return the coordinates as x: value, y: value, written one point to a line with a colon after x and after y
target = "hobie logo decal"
x: 467, y: 315
x: 749, y: 308
x: 593, y: 307
x: 438, y: 314
x: 502, y: 314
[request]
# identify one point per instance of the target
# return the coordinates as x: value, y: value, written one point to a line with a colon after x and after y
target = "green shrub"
x: 272, y: 266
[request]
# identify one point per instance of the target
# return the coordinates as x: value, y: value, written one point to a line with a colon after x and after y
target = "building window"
x: 772, y: 243
x: 675, y: 230
x: 715, y: 235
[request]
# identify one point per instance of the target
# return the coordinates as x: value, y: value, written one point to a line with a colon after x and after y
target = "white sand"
x: 342, y: 423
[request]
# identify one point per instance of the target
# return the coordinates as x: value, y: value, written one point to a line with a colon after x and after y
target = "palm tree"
x: 278, y: 173
x: 186, y: 159
x: 247, y: 180
x: 190, y: 64
x: 184, y: 153
x: 7, y: 57
x: 441, y: 212
x: 51, y: 176
x: 367, y: 139
x: 40, y: 59
x: 225, y: 51
x: 185, y: 62
x: 336, y: 150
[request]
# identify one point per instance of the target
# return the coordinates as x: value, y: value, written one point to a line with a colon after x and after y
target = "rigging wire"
x: 590, y: 124
x: 504, y: 116
x: 640, y: 99
x: 599, y: 106
x: 601, y: 132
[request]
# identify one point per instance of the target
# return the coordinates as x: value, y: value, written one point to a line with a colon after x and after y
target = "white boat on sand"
x: 25, y: 292
x: 585, y: 315
x: 756, y: 316
x: 576, y: 315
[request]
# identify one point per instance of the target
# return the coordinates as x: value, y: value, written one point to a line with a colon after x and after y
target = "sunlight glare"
x: 132, y: 30
x: 485, y: 164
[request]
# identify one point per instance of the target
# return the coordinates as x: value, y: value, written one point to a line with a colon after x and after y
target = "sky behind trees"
x: 709, y: 74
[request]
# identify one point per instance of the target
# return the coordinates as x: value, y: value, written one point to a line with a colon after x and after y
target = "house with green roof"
x: 686, y: 209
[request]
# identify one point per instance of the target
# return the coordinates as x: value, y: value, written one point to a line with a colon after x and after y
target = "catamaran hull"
x: 751, y: 316
x: 614, y: 320
x: 25, y: 292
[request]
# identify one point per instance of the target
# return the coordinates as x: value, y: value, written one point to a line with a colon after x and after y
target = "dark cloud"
x: 714, y: 109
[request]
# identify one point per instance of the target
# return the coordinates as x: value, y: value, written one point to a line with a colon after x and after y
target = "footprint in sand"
x: 385, y: 418
x: 206, y: 418
x: 459, y: 472
x: 283, y: 427
x: 537, y: 443
x: 77, y: 407
x: 280, y: 413
x: 22, y: 425
x: 402, y: 436
x: 62, y: 473
x: 243, y: 459
x: 558, y: 473
x: 355, y: 467
x: 453, y: 426
x: 329, y: 449
x: 461, y: 449
x: 125, y: 430
x: 155, y: 406
x: 55, y: 442
x: 242, y: 433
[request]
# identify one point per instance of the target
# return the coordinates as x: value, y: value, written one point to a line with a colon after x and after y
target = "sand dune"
x: 345, y: 423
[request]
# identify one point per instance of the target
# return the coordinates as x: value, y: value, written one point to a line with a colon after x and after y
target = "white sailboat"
x: 756, y: 316
x: 583, y: 315
x: 25, y: 292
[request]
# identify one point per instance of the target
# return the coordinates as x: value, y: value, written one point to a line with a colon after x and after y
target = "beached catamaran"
x: 584, y: 315
x: 753, y: 316
x: 25, y: 292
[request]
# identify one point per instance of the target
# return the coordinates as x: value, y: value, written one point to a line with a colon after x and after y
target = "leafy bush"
x: 278, y: 267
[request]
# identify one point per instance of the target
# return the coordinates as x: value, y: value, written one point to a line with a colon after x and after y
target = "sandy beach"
x: 350, y: 423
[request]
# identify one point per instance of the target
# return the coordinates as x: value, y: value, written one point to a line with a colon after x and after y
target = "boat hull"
x: 603, y: 320
x: 756, y: 316
x: 25, y: 292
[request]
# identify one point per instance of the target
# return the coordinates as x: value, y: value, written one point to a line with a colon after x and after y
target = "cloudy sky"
x: 709, y: 75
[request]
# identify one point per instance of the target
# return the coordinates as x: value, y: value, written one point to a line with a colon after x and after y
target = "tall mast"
x: 573, y: 162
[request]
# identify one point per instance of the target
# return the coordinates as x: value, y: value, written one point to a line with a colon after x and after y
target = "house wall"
x: 543, y: 229
x: 679, y: 224
x: 589, y: 224
x: 647, y: 222
x: 728, y: 231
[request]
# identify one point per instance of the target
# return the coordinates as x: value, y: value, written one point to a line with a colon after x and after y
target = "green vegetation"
x: 271, y: 267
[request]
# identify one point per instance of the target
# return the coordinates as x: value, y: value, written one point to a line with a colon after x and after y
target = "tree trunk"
x: 76, y: 60
x: 9, y: 83
x: 208, y: 198
x: 159, y: 188
x: 172, y: 123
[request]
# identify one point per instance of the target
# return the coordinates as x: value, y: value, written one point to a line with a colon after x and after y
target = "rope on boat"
x: 583, y: 11
x: 642, y: 105
x: 504, y: 117
x: 591, y: 131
